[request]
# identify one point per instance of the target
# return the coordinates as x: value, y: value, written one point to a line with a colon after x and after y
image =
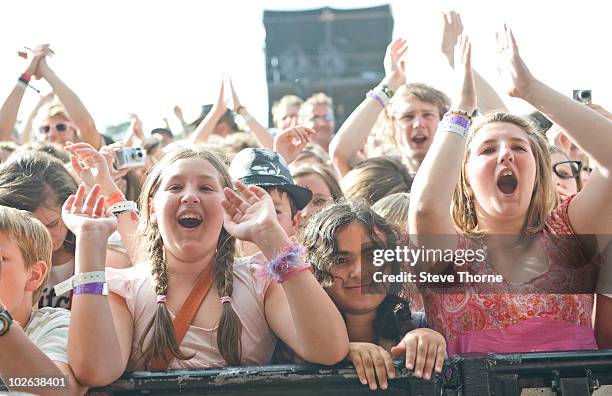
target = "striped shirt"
x: 48, y: 330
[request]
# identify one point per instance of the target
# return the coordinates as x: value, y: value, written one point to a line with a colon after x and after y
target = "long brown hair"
x: 544, y: 196
x: 230, y: 328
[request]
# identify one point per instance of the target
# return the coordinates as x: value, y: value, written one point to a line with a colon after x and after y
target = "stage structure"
x: 339, y: 52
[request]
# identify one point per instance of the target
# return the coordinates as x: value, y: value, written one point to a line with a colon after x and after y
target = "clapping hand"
x: 452, y: 28
x: 85, y: 214
x: 395, y: 67
x: 290, y: 142
x: 466, y: 96
x: 249, y: 213
x: 517, y: 78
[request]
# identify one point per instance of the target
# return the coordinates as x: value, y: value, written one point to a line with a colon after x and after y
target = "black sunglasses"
x: 60, y: 127
x: 567, y: 169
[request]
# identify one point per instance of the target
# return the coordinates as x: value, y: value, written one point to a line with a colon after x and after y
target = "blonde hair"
x: 307, y: 107
x: 279, y: 108
x: 375, y: 178
x: 544, y: 197
x: 230, y: 327
x: 32, y: 238
x: 384, y: 127
x: 394, y: 209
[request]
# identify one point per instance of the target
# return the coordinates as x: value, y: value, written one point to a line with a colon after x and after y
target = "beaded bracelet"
x: 387, y: 91
x: 460, y: 113
x: 284, y: 264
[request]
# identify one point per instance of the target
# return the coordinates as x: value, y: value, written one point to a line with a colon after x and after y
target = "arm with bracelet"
x: 354, y: 132
x: 261, y: 134
x: 98, y: 344
x: 116, y: 204
x: 10, y: 107
x: 432, y: 189
x: 316, y: 331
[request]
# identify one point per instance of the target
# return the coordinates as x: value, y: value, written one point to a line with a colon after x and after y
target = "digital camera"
x: 129, y: 157
x: 582, y: 95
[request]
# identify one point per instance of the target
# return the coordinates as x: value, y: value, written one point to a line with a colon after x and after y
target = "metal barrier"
x: 566, y: 373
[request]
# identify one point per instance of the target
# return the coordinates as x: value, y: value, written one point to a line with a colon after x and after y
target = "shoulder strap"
x: 185, y: 316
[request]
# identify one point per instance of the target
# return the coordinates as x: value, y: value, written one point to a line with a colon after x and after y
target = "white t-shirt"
x: 58, y: 274
x: 48, y: 330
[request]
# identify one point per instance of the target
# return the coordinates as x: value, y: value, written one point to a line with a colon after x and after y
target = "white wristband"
x: 453, y: 128
x: 80, y: 279
x: 123, y: 206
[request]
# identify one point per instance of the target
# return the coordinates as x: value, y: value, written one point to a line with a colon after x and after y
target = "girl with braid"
x: 190, y: 217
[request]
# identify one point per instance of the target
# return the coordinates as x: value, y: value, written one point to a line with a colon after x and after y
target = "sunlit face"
x: 289, y: 118
x: 354, y: 255
x: 322, y: 121
x: 50, y: 216
x: 187, y: 208
x: 13, y: 275
x: 415, y: 123
x: 58, y: 129
x: 321, y: 196
x: 283, y: 211
x: 565, y: 183
x: 501, y: 170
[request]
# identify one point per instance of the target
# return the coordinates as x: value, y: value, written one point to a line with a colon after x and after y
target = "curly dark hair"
x: 393, y: 318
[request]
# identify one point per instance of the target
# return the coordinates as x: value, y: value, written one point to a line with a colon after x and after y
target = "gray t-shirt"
x: 48, y: 330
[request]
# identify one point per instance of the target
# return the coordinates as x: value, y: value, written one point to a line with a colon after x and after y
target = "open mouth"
x: 418, y: 139
x: 189, y: 220
x: 507, y: 182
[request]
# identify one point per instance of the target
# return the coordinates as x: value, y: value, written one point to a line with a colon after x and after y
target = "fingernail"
x: 427, y: 376
x: 418, y: 373
x: 409, y: 366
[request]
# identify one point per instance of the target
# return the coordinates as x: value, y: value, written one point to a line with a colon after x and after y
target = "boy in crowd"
x: 33, y: 343
x: 266, y: 169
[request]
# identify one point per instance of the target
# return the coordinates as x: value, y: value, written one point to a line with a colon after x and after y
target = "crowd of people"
x: 219, y: 246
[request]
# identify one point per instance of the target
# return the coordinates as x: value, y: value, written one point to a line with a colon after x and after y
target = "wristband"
x: 247, y: 118
x: 387, y: 91
x: 114, y: 198
x: 284, y: 264
x: 376, y: 97
x: 26, y: 77
x: 100, y: 288
x: 80, y: 279
x: 121, y: 207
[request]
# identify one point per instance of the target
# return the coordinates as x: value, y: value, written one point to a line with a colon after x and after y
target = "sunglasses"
x: 567, y: 169
x: 60, y: 127
x: 329, y: 117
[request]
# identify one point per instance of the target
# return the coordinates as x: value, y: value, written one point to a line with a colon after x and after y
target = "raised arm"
x: 354, y: 132
x: 10, y: 107
x: 100, y: 338
x: 452, y: 27
x: 591, y: 211
x: 178, y: 112
x: 261, y: 134
x: 99, y: 171
x: 208, y: 124
x: 434, y: 184
x: 74, y: 106
x: 316, y: 331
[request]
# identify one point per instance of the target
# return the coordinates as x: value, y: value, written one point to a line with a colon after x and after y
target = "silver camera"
x: 582, y: 95
x: 129, y: 157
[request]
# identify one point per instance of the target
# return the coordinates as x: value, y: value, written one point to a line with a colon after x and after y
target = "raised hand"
x: 517, y: 78
x: 85, y: 214
x: 371, y: 362
x: 395, y: 67
x: 451, y: 30
x: 178, y: 112
x: 235, y: 100
x: 466, y: 96
x: 249, y: 213
x: 424, y: 350
x: 221, y: 106
x: 97, y: 169
x: 135, y: 128
x: 290, y: 142
x: 38, y: 54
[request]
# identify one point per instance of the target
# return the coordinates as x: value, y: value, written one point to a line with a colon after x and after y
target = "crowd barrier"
x: 563, y: 373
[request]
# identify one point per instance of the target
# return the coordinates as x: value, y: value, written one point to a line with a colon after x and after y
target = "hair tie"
x: 161, y: 298
x: 225, y: 299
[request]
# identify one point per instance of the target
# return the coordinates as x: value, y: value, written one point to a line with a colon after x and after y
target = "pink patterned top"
x: 510, y: 318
